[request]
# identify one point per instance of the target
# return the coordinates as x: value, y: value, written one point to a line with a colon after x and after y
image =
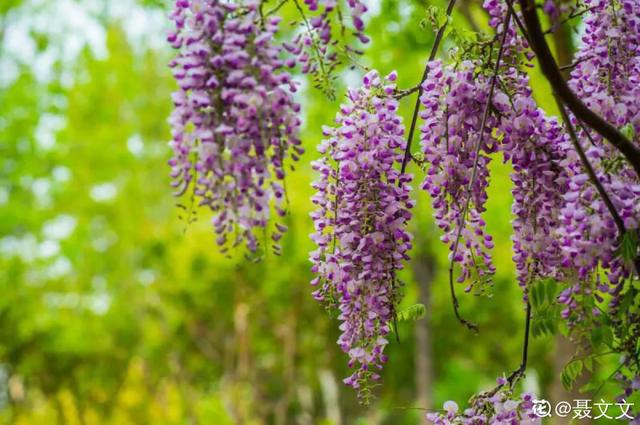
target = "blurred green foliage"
x: 114, y: 309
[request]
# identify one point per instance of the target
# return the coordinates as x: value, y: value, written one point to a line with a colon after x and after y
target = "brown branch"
x: 553, y: 75
x: 514, y: 376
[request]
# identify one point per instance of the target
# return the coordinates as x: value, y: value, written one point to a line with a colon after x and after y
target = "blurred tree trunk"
x: 287, y: 333
x: 59, y: 409
x: 465, y: 8
x: 330, y: 395
x: 242, y: 356
x: 423, y: 268
x: 564, y: 350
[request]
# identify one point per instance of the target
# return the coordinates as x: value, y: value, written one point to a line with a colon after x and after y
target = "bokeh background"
x: 115, y: 305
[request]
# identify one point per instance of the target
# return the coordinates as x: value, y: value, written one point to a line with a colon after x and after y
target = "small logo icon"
x: 541, y: 408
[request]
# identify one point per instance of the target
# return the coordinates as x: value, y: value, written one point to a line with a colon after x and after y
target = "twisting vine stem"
x: 515, y: 375
x: 553, y: 75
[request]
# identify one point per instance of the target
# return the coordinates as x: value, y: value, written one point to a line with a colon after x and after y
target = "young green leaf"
x: 413, y: 312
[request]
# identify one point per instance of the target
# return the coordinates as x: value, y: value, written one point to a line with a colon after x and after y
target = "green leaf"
x: 629, y: 131
x: 413, y: 312
x: 551, y: 290
x: 436, y: 17
x: 570, y: 373
x: 543, y: 294
x: 588, y: 363
x: 628, y: 248
x: 535, y: 296
x: 545, y: 312
x: 589, y: 387
x: 597, y: 336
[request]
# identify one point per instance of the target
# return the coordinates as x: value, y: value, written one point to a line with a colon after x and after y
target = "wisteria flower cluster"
x: 497, y: 407
x: 535, y: 145
x: 607, y: 78
x: 454, y: 101
x: 235, y: 122
x: 360, y: 224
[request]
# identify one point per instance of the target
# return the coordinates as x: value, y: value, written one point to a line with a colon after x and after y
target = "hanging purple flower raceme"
x: 360, y: 224
x: 499, y: 407
x: 453, y: 104
x: 533, y: 143
x: 235, y: 122
x: 607, y: 79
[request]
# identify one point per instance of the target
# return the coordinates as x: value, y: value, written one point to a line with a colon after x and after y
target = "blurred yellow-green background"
x: 116, y: 310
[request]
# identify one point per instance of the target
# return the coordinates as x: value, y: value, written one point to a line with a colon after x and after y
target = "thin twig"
x: 519, y: 23
x: 519, y: 372
x: 574, y: 14
x: 515, y: 375
x: 474, y: 170
x: 590, y: 172
x: 316, y: 48
x: 276, y: 8
x: 574, y: 64
x: 408, y: 92
x: 425, y: 74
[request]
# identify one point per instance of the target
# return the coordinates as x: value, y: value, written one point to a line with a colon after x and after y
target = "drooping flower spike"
x: 235, y: 122
x: 360, y: 224
x: 453, y: 103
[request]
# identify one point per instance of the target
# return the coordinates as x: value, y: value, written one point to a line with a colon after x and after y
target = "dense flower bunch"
x: 607, y: 78
x: 514, y: 46
x: 498, y: 407
x: 562, y: 227
x: 360, y: 224
x: 454, y: 101
x: 533, y: 143
x: 235, y: 120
